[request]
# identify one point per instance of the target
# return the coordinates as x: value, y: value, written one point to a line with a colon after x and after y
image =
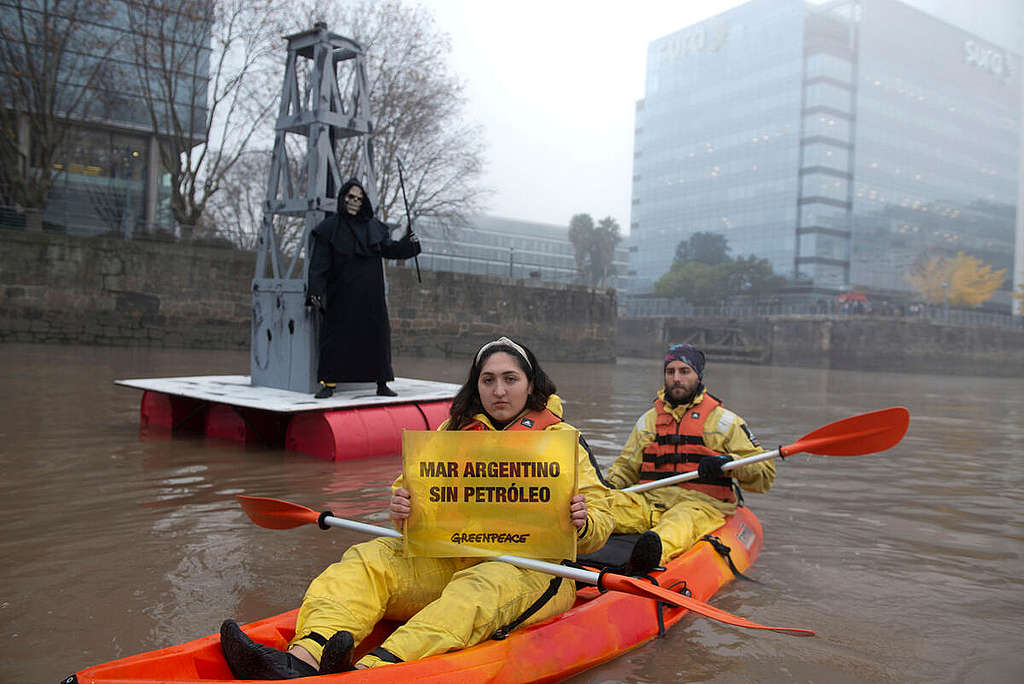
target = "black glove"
x: 710, y: 467
x: 316, y: 302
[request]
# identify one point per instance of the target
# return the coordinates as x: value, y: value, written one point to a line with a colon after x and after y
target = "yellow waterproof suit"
x: 681, y: 516
x: 446, y: 603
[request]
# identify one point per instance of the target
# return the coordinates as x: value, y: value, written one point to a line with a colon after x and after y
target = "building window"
x: 101, y: 184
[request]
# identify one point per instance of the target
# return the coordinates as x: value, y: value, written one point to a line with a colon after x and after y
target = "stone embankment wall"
x: 842, y: 342
x: 452, y: 314
x: 67, y: 289
x: 77, y: 290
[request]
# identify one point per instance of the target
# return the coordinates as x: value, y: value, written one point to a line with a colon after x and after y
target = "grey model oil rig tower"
x: 324, y: 98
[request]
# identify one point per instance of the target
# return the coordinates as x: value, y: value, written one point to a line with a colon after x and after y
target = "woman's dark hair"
x: 466, y: 403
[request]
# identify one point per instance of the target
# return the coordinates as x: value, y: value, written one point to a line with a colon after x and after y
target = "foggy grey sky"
x: 555, y: 83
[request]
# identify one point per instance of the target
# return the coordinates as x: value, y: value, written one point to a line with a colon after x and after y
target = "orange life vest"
x: 679, y: 446
x: 532, y: 420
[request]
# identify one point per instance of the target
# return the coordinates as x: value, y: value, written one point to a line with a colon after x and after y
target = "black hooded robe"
x: 347, y: 272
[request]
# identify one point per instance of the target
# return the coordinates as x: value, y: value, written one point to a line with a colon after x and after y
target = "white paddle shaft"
x: 587, y: 576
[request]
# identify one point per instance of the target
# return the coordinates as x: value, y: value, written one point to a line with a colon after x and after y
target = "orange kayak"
x: 598, y: 628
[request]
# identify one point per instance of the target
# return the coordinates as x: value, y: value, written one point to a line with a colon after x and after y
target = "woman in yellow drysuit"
x: 445, y: 603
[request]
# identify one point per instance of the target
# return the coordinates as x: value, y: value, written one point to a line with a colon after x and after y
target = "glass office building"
x: 842, y: 141
x: 109, y: 175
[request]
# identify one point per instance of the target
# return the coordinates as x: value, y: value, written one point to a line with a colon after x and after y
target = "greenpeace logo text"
x: 489, y: 538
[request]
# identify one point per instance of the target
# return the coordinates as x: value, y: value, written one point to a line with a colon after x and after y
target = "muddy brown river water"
x: 907, y: 564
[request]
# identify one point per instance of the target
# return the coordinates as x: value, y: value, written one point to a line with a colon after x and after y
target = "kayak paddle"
x: 866, y: 433
x: 276, y: 514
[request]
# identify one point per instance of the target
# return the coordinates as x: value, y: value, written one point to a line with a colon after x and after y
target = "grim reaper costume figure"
x: 346, y: 283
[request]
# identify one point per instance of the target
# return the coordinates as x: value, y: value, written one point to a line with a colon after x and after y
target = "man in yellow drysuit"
x: 445, y: 603
x: 687, y: 429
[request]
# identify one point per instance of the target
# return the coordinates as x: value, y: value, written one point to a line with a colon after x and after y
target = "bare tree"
x: 236, y: 212
x: 204, y: 70
x: 417, y: 109
x: 52, y: 56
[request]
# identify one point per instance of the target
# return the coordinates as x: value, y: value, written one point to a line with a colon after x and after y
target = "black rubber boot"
x: 384, y: 391
x: 646, y: 555
x: 324, y: 393
x: 337, y: 655
x: 250, y: 660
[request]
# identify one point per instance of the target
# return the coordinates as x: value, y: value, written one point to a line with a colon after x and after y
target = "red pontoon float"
x: 354, y: 423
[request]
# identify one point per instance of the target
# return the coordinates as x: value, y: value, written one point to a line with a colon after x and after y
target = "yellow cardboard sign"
x: 483, y: 493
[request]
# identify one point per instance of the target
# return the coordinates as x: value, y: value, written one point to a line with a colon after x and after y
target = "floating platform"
x: 354, y: 423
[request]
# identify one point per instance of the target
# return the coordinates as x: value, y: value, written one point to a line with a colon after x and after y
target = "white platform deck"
x: 236, y: 390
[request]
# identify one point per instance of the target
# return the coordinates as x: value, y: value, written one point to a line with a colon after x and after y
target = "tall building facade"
x: 843, y: 141
x: 108, y: 176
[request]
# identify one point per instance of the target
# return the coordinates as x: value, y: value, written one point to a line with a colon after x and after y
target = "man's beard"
x: 685, y: 399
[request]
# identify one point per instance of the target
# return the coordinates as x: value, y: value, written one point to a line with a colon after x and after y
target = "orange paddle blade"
x: 638, y: 587
x: 866, y: 433
x: 275, y: 514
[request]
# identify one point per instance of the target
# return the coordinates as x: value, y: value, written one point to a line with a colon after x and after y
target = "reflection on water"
x: 907, y: 564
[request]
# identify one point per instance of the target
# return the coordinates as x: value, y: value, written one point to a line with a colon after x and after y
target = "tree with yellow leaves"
x: 958, y: 281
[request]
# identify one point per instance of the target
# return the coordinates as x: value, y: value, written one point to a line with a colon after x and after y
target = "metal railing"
x: 643, y: 307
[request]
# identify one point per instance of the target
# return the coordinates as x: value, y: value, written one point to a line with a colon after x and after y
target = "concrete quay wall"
x: 841, y: 342
x: 57, y: 288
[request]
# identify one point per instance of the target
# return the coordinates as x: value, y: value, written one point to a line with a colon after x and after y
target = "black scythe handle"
x: 408, y: 218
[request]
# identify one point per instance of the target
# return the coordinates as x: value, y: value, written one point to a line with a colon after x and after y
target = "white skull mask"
x: 353, y: 200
